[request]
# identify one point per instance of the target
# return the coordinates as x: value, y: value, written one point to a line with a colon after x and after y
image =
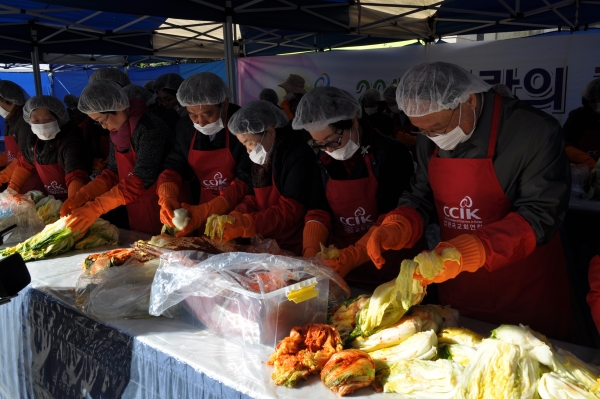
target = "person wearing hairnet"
x: 71, y: 102
x: 373, y: 107
x: 16, y: 132
x: 401, y: 124
x: 582, y: 128
x: 97, y: 137
x: 54, y: 150
x: 204, y: 148
x: 360, y: 176
x: 494, y: 172
x: 281, y: 181
x: 269, y: 95
x: 170, y: 110
x: 294, y: 87
x: 137, y: 151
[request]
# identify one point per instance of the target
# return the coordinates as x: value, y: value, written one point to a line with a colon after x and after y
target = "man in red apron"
x: 582, y: 128
x: 137, y: 152
x: 54, y: 152
x: 204, y: 148
x: 361, y: 175
x: 281, y: 187
x: 494, y: 172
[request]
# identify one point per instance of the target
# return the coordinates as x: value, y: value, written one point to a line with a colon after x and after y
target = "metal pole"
x: 35, y: 61
x: 229, y: 56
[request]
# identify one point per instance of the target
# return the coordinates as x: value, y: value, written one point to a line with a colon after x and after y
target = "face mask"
x: 290, y: 96
x: 4, y: 113
x: 46, y: 131
x: 371, y: 111
x: 210, y: 128
x: 346, y: 152
x: 258, y: 155
x: 395, y: 109
x: 450, y: 140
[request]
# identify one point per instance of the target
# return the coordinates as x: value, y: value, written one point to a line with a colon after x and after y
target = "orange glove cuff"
x: 3, y: 159
x: 167, y: 190
x: 405, y: 229
x: 110, y: 200
x: 7, y: 172
x: 19, y: 178
x: 93, y: 189
x: 471, y: 249
x: 314, y: 234
x: 74, y: 188
x: 218, y: 205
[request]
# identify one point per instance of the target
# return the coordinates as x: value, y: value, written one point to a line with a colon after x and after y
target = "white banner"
x: 547, y: 72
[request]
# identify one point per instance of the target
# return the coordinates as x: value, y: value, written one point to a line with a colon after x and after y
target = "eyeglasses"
x: 165, y: 100
x: 437, y: 133
x: 103, y: 122
x: 331, y: 144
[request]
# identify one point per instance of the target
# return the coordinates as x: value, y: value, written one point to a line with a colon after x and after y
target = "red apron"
x: 12, y: 150
x: 267, y: 197
x: 533, y: 291
x: 52, y: 176
x: 590, y: 143
x: 214, y: 169
x: 144, y: 212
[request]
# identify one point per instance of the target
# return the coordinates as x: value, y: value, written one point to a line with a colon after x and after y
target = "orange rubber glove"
x: 167, y: 199
x: 394, y: 233
x: 3, y: 159
x: 7, y: 172
x: 242, y: 227
x: 19, y: 177
x: 593, y: 297
x: 314, y: 234
x: 82, y: 218
x: 351, y: 256
x: 472, y: 257
x: 199, y: 214
x: 74, y: 188
x: 92, y: 190
x: 575, y: 155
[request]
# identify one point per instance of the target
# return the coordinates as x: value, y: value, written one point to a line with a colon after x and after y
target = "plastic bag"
x: 19, y: 209
x: 118, y: 292
x: 579, y: 173
x: 245, y: 296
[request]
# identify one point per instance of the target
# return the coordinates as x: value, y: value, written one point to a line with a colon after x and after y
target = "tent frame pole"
x: 229, y: 56
x: 35, y: 62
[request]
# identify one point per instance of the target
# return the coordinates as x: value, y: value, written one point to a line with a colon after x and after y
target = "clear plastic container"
x: 259, y: 318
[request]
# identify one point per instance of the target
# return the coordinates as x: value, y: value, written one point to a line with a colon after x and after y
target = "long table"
x: 50, y: 350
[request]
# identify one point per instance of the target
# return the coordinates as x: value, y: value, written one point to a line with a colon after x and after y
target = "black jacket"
x: 579, y: 120
x: 16, y: 126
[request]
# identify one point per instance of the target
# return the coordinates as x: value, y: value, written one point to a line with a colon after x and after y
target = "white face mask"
x: 258, y: 155
x: 450, y: 140
x: 4, y: 113
x: 395, y: 109
x: 45, y: 131
x: 346, y: 152
x: 371, y: 111
x: 290, y: 96
x: 210, y: 128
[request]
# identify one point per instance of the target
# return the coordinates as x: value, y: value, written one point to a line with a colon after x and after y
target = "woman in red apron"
x: 204, y: 148
x: 361, y: 175
x: 502, y: 221
x: 582, y: 128
x: 12, y: 99
x: 55, y: 153
x: 281, y: 177
x: 136, y: 154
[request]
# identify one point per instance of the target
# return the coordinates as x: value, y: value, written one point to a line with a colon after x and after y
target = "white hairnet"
x: 135, y: 91
x: 390, y: 92
x: 168, y: 81
x: 71, y: 100
x: 436, y: 86
x: 103, y: 96
x: 204, y: 88
x: 372, y: 96
x: 52, y: 104
x: 256, y: 116
x: 323, y: 106
x: 149, y: 85
x: 269, y: 95
x: 592, y: 90
x: 10, y: 91
x: 111, y: 74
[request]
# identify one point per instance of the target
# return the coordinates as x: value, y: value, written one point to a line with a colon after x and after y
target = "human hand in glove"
x: 351, y: 256
x: 463, y: 253
x: 199, y: 214
x: 82, y: 218
x: 242, y: 227
x: 92, y: 190
x: 394, y: 233
x: 167, y: 199
x: 314, y: 234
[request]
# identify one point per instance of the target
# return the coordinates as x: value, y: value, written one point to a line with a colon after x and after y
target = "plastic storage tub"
x: 259, y: 319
